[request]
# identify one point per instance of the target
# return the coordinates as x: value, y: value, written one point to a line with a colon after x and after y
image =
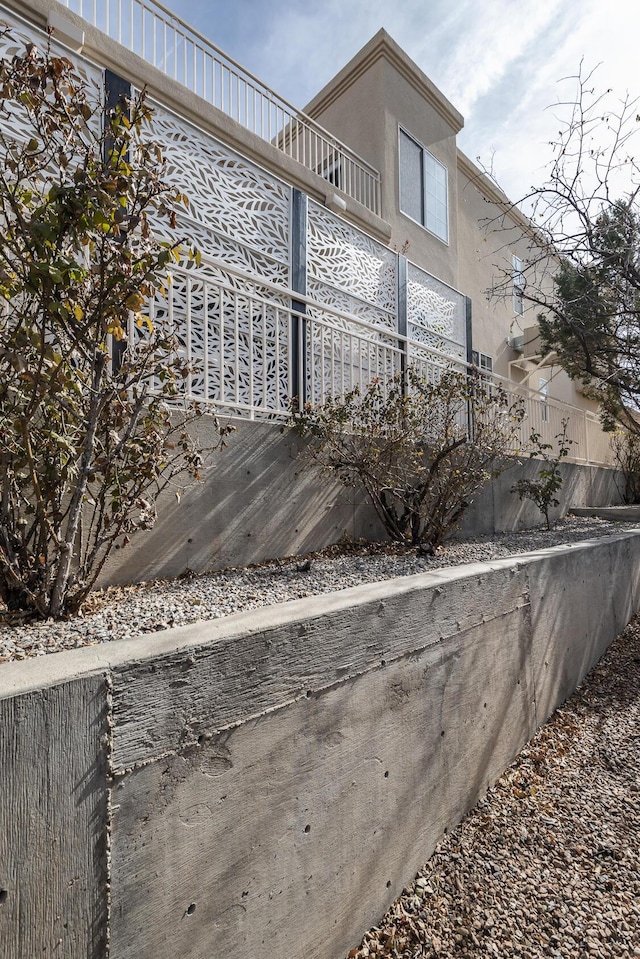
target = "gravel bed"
x: 126, y: 612
x: 548, y: 864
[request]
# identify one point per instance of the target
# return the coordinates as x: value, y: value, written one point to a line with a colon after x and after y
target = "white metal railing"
x: 237, y: 331
x: 238, y: 335
x: 545, y: 416
x: 150, y: 30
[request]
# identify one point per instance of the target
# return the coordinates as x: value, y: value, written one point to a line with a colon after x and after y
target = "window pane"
x: 482, y: 360
x: 410, y: 177
x: 518, y: 285
x: 437, y: 219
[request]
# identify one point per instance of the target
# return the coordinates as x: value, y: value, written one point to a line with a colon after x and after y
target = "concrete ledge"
x: 628, y: 514
x: 269, y: 782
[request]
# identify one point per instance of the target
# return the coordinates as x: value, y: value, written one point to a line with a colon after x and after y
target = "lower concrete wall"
x: 266, y: 784
x: 262, y: 500
x: 54, y: 819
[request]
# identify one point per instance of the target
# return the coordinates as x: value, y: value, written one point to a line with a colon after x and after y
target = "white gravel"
x: 126, y: 612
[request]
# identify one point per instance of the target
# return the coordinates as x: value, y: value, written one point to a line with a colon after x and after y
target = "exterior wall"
x: 485, y: 250
x: 262, y: 501
x: 383, y: 89
x: 269, y: 783
x: 424, y: 249
x: 487, y: 240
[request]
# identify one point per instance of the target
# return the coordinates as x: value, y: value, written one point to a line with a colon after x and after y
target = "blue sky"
x: 500, y: 62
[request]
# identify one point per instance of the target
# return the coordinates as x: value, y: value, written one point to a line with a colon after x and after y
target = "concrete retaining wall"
x: 266, y: 784
x: 262, y: 501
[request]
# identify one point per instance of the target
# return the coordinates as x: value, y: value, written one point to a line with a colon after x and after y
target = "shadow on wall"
x: 261, y: 501
x: 497, y: 509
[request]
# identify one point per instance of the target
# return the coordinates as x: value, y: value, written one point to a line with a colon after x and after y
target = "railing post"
x: 299, y: 285
x: 586, y: 438
x: 403, y: 324
x: 115, y: 88
x: 468, y: 335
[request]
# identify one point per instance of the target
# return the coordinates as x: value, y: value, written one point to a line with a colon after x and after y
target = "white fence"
x: 544, y: 416
x: 240, y: 336
x: 154, y: 33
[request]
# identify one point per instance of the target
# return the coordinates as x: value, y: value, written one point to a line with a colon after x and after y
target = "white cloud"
x: 492, y: 37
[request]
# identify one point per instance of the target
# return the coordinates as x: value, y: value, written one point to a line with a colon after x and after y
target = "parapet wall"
x: 264, y: 785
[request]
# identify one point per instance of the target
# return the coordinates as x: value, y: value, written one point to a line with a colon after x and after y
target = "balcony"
x: 152, y: 32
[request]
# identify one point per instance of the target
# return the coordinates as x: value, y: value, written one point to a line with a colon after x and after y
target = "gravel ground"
x: 125, y: 612
x: 548, y: 864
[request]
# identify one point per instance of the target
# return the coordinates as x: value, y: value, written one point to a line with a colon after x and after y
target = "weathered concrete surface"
x: 232, y: 670
x: 261, y: 501
x: 629, y: 513
x: 275, y: 837
x: 580, y: 600
x: 274, y: 825
x: 53, y: 822
x: 278, y: 776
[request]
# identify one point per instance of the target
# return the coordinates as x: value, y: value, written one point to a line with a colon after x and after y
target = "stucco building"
x: 338, y: 245
x: 362, y: 207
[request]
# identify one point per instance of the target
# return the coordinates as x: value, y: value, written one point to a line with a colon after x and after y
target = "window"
x: 423, y: 187
x: 482, y: 361
x: 517, y: 277
x: 544, y: 391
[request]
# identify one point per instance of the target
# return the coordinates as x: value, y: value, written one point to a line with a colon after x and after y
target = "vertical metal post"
x: 403, y: 325
x: 115, y: 88
x: 468, y: 329
x: 469, y: 339
x: 587, y: 455
x: 299, y: 209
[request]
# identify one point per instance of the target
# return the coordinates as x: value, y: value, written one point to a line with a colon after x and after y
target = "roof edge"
x: 383, y: 46
x: 490, y: 189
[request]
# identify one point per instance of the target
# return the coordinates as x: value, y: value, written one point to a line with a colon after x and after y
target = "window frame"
x: 479, y: 360
x: 423, y: 185
x: 518, y: 282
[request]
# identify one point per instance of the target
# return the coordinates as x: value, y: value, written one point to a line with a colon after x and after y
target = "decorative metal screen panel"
x: 436, y: 314
x: 235, y: 338
x: 237, y: 212
x: 342, y: 356
x: 234, y: 330
x: 354, y: 275
x: 350, y: 271
x: 15, y: 125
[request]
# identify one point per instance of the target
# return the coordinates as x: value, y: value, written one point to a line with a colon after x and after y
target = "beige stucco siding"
x: 378, y: 92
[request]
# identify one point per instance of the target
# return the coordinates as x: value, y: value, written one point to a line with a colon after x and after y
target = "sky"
x: 503, y: 64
